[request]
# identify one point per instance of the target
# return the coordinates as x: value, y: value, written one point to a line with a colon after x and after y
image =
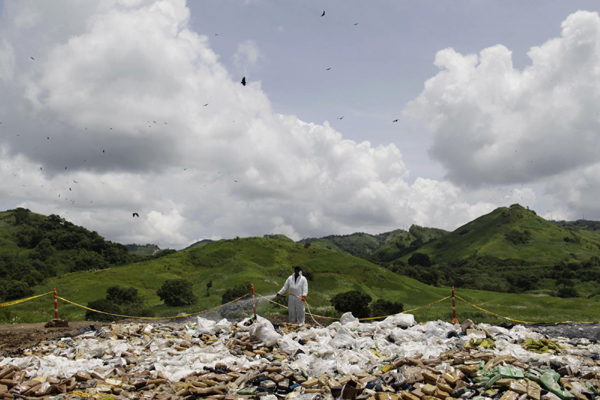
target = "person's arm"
x: 304, y: 288
x: 285, y: 287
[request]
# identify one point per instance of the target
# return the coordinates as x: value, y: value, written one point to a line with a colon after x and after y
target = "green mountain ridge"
x: 509, y: 249
x: 266, y: 262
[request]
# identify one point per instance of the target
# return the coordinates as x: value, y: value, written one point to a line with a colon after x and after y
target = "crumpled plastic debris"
x: 393, y: 359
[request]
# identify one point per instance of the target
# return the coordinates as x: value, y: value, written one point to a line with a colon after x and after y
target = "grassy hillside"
x: 34, y: 247
x: 267, y: 263
x: 403, y: 243
x: 510, y: 249
x: 357, y: 244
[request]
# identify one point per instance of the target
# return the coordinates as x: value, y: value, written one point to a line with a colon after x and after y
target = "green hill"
x: 404, y: 242
x: 509, y: 249
x: 267, y: 263
x: 34, y: 247
x: 357, y: 244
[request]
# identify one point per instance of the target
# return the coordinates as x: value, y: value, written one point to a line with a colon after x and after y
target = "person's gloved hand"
x: 303, y: 298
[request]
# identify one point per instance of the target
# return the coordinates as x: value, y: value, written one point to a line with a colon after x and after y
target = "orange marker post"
x: 454, y: 320
x: 55, y: 305
x: 253, y: 301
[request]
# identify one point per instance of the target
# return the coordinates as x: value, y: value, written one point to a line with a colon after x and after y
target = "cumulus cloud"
x: 110, y: 119
x: 247, y: 55
x: 495, y: 124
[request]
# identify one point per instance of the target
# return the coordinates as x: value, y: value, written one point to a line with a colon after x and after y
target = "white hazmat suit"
x: 298, y: 288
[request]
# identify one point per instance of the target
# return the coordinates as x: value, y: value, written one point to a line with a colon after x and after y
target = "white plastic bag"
x: 348, y: 318
x: 343, y: 338
x: 205, y: 326
x: 263, y: 330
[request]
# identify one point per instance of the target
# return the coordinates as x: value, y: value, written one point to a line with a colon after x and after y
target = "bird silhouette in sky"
x: 32, y: 58
x: 395, y: 120
x: 342, y: 117
x: 48, y: 137
x: 185, y: 169
x: 327, y: 69
x: 207, y: 103
x: 244, y: 81
x: 322, y: 15
x: 356, y: 24
x: 103, y: 151
x: 75, y: 181
x: 136, y: 215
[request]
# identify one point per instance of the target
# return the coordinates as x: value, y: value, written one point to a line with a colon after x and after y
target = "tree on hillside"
x: 354, y: 301
x: 237, y: 291
x: 120, y: 295
x: 177, y: 292
x: 419, y: 259
x: 384, y: 307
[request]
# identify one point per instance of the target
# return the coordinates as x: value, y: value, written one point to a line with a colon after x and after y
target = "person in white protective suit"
x: 297, y: 286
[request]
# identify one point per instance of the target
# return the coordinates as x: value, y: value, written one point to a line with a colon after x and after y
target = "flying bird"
x: 185, y: 169
x: 356, y: 24
x: 75, y: 181
x: 205, y: 104
x: 244, y: 81
x: 32, y: 58
x: 235, y: 181
x: 395, y: 120
x: 327, y: 69
x: 48, y: 137
x: 136, y: 215
x: 322, y: 15
x: 41, y: 169
x: 342, y: 117
x: 103, y: 151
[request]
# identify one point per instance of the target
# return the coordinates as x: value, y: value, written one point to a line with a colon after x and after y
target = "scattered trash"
x: 393, y: 359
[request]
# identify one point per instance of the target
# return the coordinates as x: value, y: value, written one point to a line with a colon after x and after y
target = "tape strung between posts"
x: 12, y: 303
x: 134, y: 317
x: 494, y: 314
x: 360, y: 319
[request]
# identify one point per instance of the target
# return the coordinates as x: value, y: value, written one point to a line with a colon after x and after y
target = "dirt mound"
x: 16, y: 337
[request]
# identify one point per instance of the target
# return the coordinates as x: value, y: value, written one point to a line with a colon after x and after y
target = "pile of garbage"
x: 393, y: 359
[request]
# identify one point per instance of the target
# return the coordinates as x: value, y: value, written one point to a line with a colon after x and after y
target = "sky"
x: 372, y: 117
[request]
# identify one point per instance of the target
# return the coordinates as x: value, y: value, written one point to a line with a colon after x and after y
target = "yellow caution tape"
x: 407, y: 311
x: 494, y: 314
x: 360, y: 319
x: 12, y: 303
x: 134, y: 317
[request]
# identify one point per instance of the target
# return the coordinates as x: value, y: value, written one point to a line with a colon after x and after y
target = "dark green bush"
x: 237, y: 291
x: 384, y: 307
x: 177, y: 292
x: 419, y: 259
x: 354, y: 301
x: 102, y: 305
x: 120, y: 295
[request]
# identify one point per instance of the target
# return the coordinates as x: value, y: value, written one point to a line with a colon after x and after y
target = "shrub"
x: 177, y: 292
x: 14, y: 290
x: 102, y: 305
x: 384, y: 307
x: 120, y: 295
x: 237, y: 291
x: 354, y: 301
x: 419, y: 259
x: 517, y: 237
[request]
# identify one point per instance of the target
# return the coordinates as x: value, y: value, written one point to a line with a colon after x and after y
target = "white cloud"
x: 121, y: 97
x: 496, y: 124
x: 247, y: 55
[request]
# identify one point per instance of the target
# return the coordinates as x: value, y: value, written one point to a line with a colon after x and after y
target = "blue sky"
x: 110, y: 114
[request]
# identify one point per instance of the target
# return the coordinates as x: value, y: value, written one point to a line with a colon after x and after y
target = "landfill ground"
x: 394, y: 359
